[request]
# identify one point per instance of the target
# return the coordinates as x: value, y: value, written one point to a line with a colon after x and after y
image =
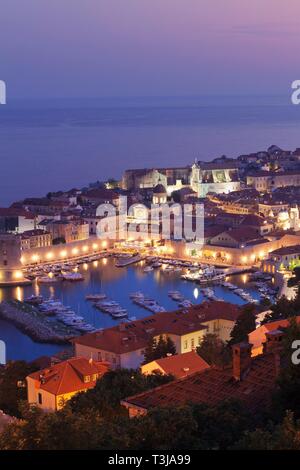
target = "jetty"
x: 30, y: 321
x: 126, y: 261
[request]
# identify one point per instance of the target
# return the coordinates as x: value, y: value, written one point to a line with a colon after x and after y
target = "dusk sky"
x: 80, y: 48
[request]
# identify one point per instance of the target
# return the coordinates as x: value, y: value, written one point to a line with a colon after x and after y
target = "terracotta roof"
x: 67, y: 376
x: 135, y: 335
x: 106, y: 194
x: 213, y: 386
x: 258, y: 336
x: 287, y: 250
x: 15, y: 212
x: 182, y: 365
x: 243, y: 234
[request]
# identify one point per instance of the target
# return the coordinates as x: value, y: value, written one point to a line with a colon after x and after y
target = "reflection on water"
x: 117, y: 284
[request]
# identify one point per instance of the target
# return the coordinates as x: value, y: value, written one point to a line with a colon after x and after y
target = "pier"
x: 29, y: 320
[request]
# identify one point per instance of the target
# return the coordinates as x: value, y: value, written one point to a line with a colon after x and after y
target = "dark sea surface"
x: 59, y: 144
x: 117, y: 284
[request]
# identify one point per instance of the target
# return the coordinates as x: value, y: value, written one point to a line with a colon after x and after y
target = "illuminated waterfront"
x: 117, y: 284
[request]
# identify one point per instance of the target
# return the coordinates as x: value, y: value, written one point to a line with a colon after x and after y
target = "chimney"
x: 273, y: 341
x: 241, y: 360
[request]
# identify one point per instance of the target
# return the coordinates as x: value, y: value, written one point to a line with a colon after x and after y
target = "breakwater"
x: 30, y: 321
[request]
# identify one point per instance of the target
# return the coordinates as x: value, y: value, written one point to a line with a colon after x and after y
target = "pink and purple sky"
x: 95, y: 48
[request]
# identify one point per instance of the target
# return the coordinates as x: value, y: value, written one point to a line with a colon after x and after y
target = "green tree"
x: 283, y: 436
x: 13, y: 386
x: 110, y: 389
x: 213, y: 350
x: 287, y: 395
x: 156, y: 349
x: 243, y: 326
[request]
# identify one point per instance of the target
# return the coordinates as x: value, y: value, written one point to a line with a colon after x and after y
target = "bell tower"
x: 195, y: 179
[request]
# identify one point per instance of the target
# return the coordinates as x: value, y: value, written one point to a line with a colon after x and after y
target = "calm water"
x: 48, y: 146
x: 117, y: 284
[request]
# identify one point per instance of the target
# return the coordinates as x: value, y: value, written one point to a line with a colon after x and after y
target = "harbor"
x: 105, y: 296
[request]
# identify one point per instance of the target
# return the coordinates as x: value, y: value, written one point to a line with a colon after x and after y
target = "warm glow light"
x: 51, y: 275
x: 244, y: 259
x: 85, y: 248
x: 261, y: 254
x: 63, y: 254
x: 85, y: 266
x: 34, y: 258
x: 104, y: 261
x: 18, y: 274
x: 95, y: 263
x: 95, y: 246
x: 22, y: 259
x: 49, y: 255
x: 104, y: 244
x: 75, y: 251
x: 18, y: 294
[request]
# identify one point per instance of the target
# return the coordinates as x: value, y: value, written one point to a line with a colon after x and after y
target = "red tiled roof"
x: 243, y: 234
x: 15, y: 212
x: 67, y: 376
x: 213, y: 386
x: 106, y: 194
x: 181, y: 365
x: 135, y: 335
x: 286, y: 250
x: 258, y: 336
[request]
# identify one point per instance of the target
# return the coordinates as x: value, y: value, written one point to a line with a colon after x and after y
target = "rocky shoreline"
x: 31, y: 324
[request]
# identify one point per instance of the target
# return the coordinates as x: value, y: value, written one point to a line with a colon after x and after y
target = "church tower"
x: 195, y: 179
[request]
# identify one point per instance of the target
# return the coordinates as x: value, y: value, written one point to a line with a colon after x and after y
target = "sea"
x: 51, y: 145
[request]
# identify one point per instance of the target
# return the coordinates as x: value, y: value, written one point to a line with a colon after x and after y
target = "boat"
x: 135, y: 295
x: 148, y: 269
x: 73, y: 277
x: 34, y: 300
x: 95, y: 297
x: 127, y: 260
x: 119, y: 315
x: 47, y: 280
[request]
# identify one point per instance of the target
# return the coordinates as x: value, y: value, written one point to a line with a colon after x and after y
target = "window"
x: 40, y: 398
x: 185, y: 344
x: 192, y: 343
x: 87, y: 378
x: 199, y: 340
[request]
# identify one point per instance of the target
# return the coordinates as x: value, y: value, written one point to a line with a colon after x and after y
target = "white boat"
x: 136, y: 295
x: 119, y: 315
x: 95, y: 297
x: 47, y: 280
x: 148, y: 269
x: 73, y: 277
